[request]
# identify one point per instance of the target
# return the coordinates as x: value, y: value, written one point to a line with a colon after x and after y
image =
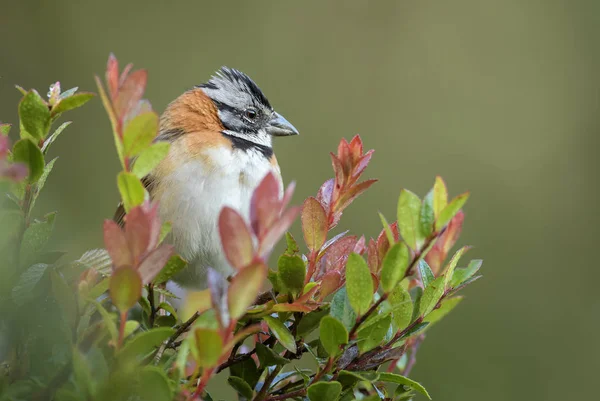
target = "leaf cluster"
x: 104, y: 327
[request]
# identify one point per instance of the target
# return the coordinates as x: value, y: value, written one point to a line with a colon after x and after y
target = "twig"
x: 413, y: 355
x: 235, y: 359
x: 287, y: 396
x: 366, y: 315
x: 267, y: 383
x: 152, y: 306
x: 180, y: 331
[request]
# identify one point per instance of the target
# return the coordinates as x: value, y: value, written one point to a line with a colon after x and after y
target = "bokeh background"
x: 499, y: 97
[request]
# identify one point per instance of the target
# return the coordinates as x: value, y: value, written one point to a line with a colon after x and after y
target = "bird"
x: 221, y: 134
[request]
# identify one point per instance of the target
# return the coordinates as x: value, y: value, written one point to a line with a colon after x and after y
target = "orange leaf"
x: 116, y: 244
x: 235, y: 238
x: 244, y: 288
x: 314, y: 224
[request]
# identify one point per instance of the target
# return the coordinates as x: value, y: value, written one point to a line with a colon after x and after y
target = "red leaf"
x: 325, y: 193
x: 356, y: 147
x: 137, y: 232
x: 353, y: 193
x: 116, y: 244
x: 112, y: 76
x: 125, y: 73
x: 294, y: 307
x: 154, y: 262
x: 277, y: 230
x: 436, y: 256
x: 338, y: 169
x: 360, y: 245
x: 287, y: 195
x: 343, y: 152
x: 130, y: 93
x: 362, y: 164
x: 335, y: 256
x: 373, y: 257
x: 314, y: 224
x: 382, y: 242
x: 235, y: 238
x: 330, y: 283
x: 244, y: 288
x: 265, y: 204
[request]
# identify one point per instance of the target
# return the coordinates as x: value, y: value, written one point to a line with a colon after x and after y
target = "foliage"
x: 103, y: 328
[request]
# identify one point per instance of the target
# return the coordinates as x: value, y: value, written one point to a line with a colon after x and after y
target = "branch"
x: 182, y: 329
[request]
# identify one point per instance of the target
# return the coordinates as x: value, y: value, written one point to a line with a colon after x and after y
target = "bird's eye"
x: 250, y: 114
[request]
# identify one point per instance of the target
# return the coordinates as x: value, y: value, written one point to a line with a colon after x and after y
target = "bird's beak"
x: 279, y: 126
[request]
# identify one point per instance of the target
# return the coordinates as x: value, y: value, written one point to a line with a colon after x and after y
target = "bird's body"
x: 221, y: 148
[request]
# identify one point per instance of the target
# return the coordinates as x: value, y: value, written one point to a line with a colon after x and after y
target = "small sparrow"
x: 221, y: 135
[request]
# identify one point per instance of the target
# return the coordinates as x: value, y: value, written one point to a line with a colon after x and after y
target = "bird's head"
x: 243, y: 108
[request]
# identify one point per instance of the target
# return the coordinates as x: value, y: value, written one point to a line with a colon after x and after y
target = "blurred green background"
x: 499, y: 97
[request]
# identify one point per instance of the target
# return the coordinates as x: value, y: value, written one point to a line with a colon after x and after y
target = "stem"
x: 152, y: 306
x: 180, y: 331
x: 235, y: 359
x: 265, y: 387
x: 366, y: 315
x: 287, y: 396
x: 122, y: 329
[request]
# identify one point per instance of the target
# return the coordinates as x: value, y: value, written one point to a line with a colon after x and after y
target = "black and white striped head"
x: 243, y: 108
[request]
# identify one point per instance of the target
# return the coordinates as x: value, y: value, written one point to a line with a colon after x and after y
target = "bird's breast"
x: 192, y: 195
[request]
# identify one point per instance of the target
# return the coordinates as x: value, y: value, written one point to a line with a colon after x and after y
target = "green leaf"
x: 48, y: 142
x: 108, y: 319
x: 440, y: 196
x: 310, y: 321
x: 5, y: 129
x: 314, y: 224
x: 281, y: 333
x: 149, y: 158
x: 333, y: 335
x: 174, y: 265
x: 449, y: 271
x: 394, y: 266
x: 82, y: 373
x: 387, y: 229
x: 131, y: 189
x: 450, y: 211
x: 427, y: 219
x: 154, y: 385
x: 291, y: 245
x: 359, y: 284
x: 292, y: 272
x: 372, y: 335
x: 431, y: 296
x: 425, y: 273
x: 34, y: 115
x: 409, y: 212
x: 241, y: 387
x: 42, y: 181
x: 27, y: 152
x: 324, y: 391
x: 143, y: 343
x: 131, y: 326
x: 65, y: 298
x: 268, y: 357
x: 165, y: 229
x: 139, y: 133
x: 247, y: 371
x: 402, y: 307
x: 446, y: 307
x: 342, y: 310
x: 125, y: 288
x: 207, y: 348
x: 35, y: 238
x: 23, y: 291
x: 398, y: 379
x: 462, y: 275
x: 72, y: 102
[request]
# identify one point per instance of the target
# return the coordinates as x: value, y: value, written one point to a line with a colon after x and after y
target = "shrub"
x: 103, y: 328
